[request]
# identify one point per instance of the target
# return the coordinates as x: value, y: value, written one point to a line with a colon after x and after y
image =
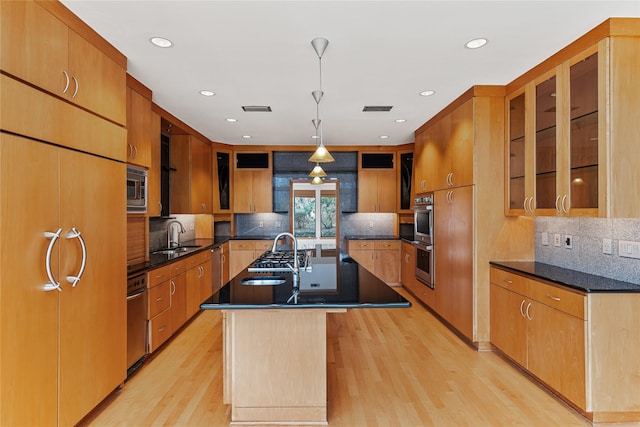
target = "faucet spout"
x: 296, y: 264
x: 170, y: 242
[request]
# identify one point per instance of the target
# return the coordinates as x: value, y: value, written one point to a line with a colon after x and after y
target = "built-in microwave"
x: 423, y: 219
x: 136, y: 189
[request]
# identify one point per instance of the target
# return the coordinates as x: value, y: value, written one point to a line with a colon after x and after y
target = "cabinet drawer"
x: 508, y: 280
x: 241, y: 245
x: 159, y: 298
x: 177, y: 268
x: 362, y: 244
x: 262, y: 246
x: 159, y: 275
x: 562, y: 299
x: 387, y: 244
x: 159, y: 330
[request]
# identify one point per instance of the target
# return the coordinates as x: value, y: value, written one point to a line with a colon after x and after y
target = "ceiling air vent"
x: 376, y: 108
x: 256, y: 108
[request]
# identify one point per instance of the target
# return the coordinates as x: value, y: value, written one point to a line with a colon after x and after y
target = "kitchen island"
x: 275, y: 349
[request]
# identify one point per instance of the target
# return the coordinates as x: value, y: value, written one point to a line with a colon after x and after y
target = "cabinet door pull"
x: 135, y: 152
x: 75, y: 234
x: 66, y: 85
x: 521, y: 308
x: 507, y: 281
x: 159, y: 299
x: 528, y: 315
x: 77, y: 86
x: 532, y: 205
x: 553, y: 298
x: 173, y: 287
x: 557, y: 204
x: 52, y: 284
x: 564, y: 208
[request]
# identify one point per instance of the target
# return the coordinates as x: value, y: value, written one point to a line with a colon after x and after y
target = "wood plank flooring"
x: 386, y: 367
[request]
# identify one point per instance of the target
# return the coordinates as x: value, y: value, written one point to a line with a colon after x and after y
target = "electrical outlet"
x: 278, y: 224
x: 607, y: 246
x: 261, y: 224
x: 191, y: 226
x: 370, y: 224
x: 557, y: 240
x: 545, y: 238
x: 568, y: 241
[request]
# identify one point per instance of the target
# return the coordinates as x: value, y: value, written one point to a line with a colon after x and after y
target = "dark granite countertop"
x: 570, y: 278
x: 336, y: 281
x: 158, y: 260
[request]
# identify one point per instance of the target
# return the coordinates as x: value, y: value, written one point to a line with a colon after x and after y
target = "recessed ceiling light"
x: 161, y: 42
x: 400, y: 120
x: 207, y: 93
x: 427, y: 92
x: 384, y: 136
x: 246, y: 136
x: 315, y: 136
x: 476, y: 43
x: 230, y: 120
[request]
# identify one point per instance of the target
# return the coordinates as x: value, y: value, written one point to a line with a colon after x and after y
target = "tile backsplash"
x: 587, y: 236
x: 158, y: 230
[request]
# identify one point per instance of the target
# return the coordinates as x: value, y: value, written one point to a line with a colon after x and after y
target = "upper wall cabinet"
x: 191, y: 182
x: 377, y: 189
x: 39, y: 48
x: 252, y: 183
x: 571, y: 150
x: 444, y: 151
x: 142, y: 130
x: 222, y: 181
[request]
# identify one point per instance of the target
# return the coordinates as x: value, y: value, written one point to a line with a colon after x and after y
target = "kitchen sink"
x: 263, y: 280
x: 173, y: 251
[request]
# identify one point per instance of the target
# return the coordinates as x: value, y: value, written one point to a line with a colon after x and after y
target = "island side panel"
x: 276, y: 366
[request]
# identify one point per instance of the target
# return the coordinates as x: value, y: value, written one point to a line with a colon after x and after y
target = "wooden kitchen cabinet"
x: 141, y: 133
x: 222, y: 174
x: 224, y: 264
x: 154, y: 198
x: 191, y: 183
x: 252, y: 191
x: 377, y: 191
x: 244, y: 252
x: 453, y: 253
x: 199, y: 286
x: 569, y: 129
x: 542, y: 328
x: 40, y: 48
x: 178, y: 301
x: 57, y: 343
x: 381, y: 257
x: 137, y: 244
x: 166, y: 309
x: 444, y: 151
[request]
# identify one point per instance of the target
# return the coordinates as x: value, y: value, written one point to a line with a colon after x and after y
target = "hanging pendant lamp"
x: 321, y: 155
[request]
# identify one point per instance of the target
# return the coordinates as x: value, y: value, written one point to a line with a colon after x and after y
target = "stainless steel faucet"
x: 170, y: 242
x: 296, y: 265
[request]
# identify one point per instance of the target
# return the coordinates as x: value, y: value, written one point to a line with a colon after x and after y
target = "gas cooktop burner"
x: 277, y: 261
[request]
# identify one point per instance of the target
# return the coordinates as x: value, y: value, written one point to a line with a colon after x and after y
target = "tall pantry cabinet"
x: 62, y: 218
x: 458, y: 157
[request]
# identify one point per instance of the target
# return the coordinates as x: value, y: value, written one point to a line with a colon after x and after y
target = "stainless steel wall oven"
x: 424, y: 239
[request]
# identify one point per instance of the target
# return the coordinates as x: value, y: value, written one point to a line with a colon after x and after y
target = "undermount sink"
x: 263, y: 280
x: 173, y: 251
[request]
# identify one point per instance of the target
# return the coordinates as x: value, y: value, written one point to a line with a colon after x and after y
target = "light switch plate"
x: 629, y: 249
x: 545, y: 238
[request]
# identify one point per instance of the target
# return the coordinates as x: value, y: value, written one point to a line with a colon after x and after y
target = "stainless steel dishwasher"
x: 136, y: 322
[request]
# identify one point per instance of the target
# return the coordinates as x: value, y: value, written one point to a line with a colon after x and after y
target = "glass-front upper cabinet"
x: 583, y: 134
x: 545, y: 145
x: 516, y: 195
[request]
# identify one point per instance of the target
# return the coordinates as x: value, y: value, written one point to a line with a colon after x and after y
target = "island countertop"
x: 335, y: 281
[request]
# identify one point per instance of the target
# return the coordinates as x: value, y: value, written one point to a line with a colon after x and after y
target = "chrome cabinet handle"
x: 77, y: 86
x: 532, y: 205
x: 66, y: 85
x: 130, y: 155
x: 564, y: 209
x: 557, y: 204
x: 507, y: 281
x: 524, y: 205
x: 552, y: 297
x: 521, y: 308
x: 173, y: 287
x: 52, y: 284
x: 135, y: 151
x: 73, y: 234
x: 527, y: 311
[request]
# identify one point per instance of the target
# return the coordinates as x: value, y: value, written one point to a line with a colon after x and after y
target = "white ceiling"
x: 379, y: 53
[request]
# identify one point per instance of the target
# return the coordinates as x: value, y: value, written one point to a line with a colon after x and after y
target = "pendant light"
x: 321, y: 155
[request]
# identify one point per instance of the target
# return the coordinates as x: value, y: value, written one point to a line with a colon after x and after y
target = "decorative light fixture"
x: 321, y: 155
x: 317, y: 181
x: 318, y: 171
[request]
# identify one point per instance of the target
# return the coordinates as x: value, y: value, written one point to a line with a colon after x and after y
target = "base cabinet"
x: 199, y: 286
x: 244, y: 252
x: 381, y: 257
x: 571, y: 342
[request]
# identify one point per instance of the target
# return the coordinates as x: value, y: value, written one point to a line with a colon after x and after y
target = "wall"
x: 158, y: 230
x: 586, y: 254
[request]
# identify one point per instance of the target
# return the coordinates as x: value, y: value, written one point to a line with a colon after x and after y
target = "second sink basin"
x: 176, y: 250
x: 263, y: 280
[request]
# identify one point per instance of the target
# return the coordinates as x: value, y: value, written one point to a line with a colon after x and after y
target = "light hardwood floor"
x: 386, y: 367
